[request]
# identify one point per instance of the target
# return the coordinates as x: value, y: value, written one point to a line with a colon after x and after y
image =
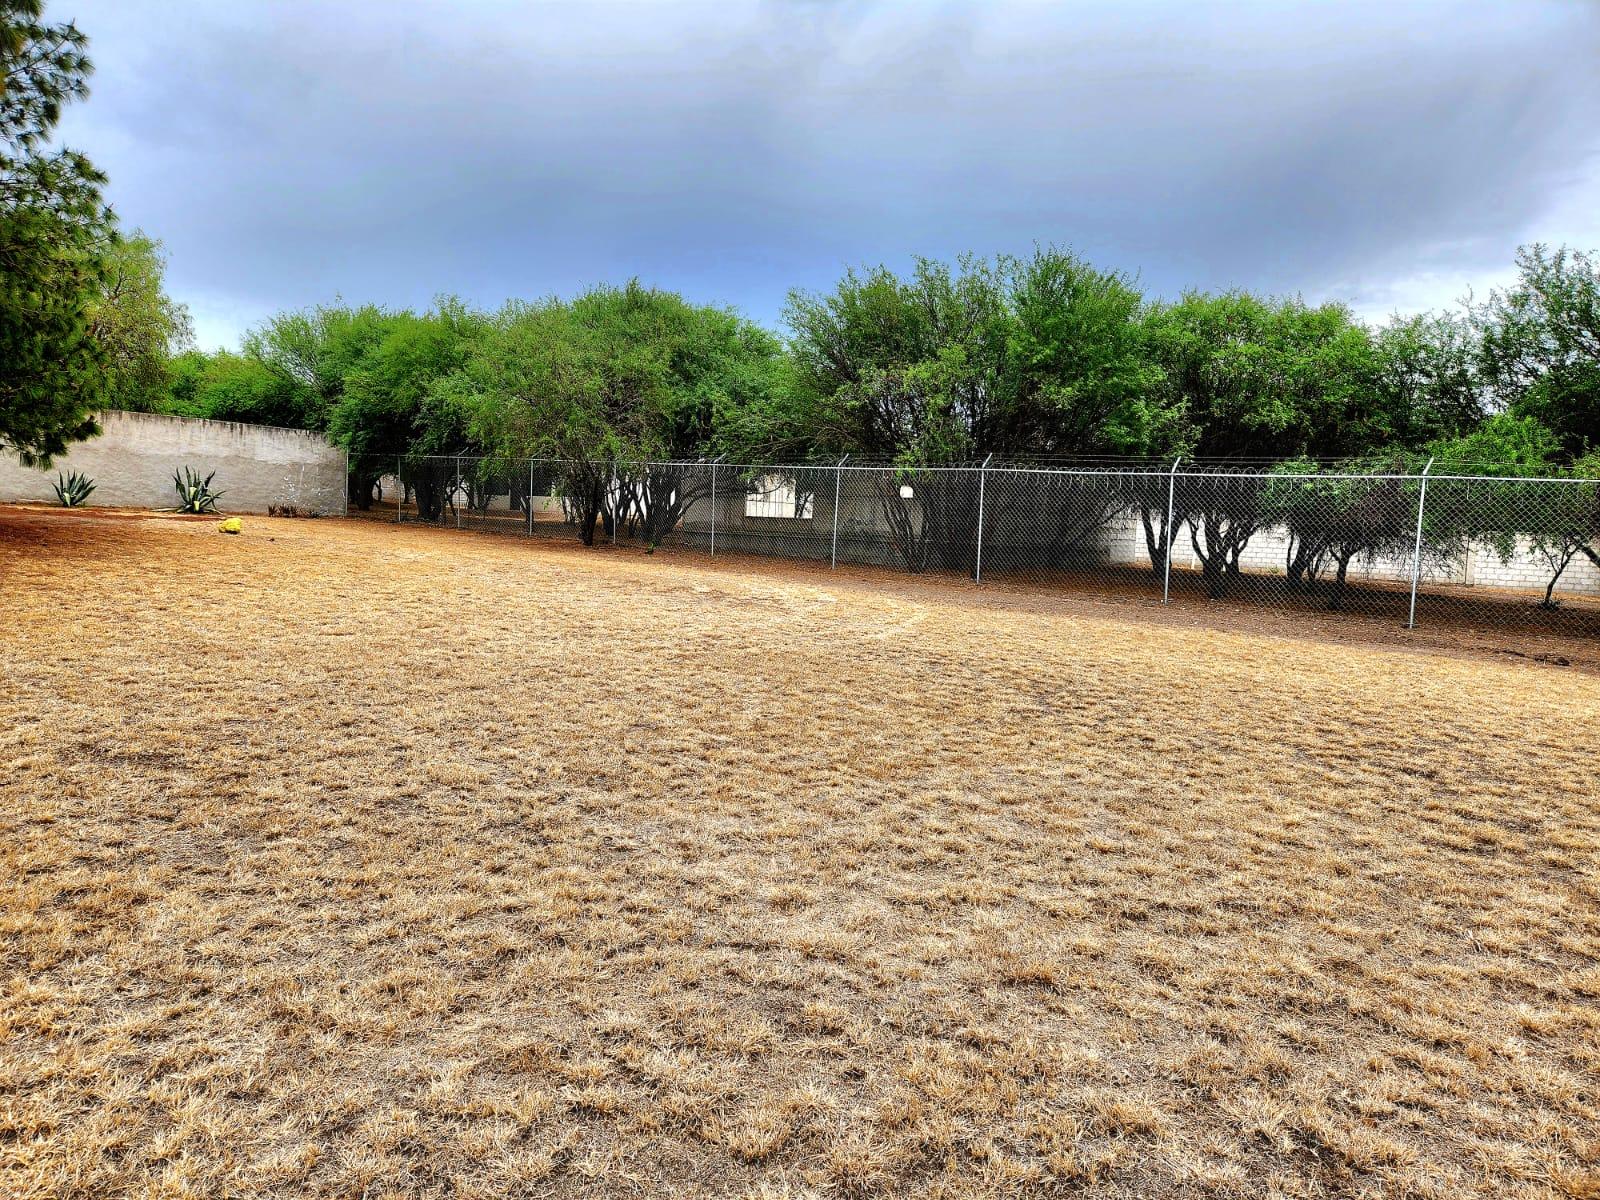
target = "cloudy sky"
x: 1390, y: 154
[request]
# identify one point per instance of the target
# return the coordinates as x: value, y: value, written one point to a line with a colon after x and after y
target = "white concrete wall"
x: 393, y: 490
x: 133, y: 460
x: 1122, y: 541
x: 1481, y: 566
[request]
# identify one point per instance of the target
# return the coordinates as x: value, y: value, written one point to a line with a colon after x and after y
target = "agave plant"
x: 72, y: 490
x: 195, y: 494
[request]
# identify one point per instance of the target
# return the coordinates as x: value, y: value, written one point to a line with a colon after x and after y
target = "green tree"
x: 137, y: 325
x: 1504, y: 444
x: 1083, y: 381
x: 913, y: 371
x: 225, y: 386
x: 1016, y: 357
x: 1428, y: 377
x: 315, y: 351
x: 533, y: 387
x: 1358, y: 509
x: 1541, y: 344
x: 391, y: 403
x: 185, y: 372
x: 1497, y: 500
x: 53, y: 225
x: 617, y: 376
x: 1255, y: 381
x: 1258, y: 380
x: 1563, y: 520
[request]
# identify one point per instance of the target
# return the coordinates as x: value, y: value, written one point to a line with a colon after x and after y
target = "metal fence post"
x: 838, y: 478
x: 1416, y: 550
x: 1172, y: 487
x: 454, y: 503
x: 399, y: 485
x: 983, y: 474
x: 713, y: 507
x: 530, y: 498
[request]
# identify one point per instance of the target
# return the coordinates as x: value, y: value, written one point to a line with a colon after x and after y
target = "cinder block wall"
x: 132, y: 463
x: 1524, y: 570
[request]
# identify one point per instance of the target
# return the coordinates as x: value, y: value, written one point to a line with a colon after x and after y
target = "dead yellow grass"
x: 346, y: 860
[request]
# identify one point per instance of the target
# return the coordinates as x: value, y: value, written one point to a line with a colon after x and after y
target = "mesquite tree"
x: 393, y: 396
x: 1334, y: 516
x: 137, y: 326
x: 612, y: 380
x: 1541, y: 345
x: 1016, y: 358
x: 1252, y: 381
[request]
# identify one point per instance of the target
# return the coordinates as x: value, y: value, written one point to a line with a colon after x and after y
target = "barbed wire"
x: 1366, y: 467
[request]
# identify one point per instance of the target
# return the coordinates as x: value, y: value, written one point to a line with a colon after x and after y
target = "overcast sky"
x: 1389, y: 154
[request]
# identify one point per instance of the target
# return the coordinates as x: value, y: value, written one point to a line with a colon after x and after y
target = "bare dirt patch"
x: 340, y: 859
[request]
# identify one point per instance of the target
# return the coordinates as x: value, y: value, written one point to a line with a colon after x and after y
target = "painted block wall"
x: 133, y: 460
x: 1525, y: 569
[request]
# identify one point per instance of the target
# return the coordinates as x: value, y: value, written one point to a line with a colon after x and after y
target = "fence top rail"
x: 1333, y: 476
x: 1141, y: 472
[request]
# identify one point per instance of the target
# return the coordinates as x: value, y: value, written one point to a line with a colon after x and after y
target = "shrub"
x: 73, y: 489
x: 195, y: 494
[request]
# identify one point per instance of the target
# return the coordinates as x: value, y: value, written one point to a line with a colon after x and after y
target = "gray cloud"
x: 286, y: 151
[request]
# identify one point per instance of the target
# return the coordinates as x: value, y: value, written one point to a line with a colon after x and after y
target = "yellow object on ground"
x: 231, y: 525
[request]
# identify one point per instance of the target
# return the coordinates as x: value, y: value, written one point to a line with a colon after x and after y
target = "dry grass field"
x: 340, y: 859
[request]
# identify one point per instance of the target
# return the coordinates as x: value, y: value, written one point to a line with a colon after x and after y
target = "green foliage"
x: 1259, y: 380
x: 1504, y: 444
x: 137, y: 325
x: 1083, y: 381
x: 393, y: 401
x: 1496, y: 508
x: 314, y: 352
x: 185, y: 374
x: 53, y: 228
x: 1337, y: 515
x: 1428, y: 377
x: 618, y: 372
x: 194, y: 493
x: 292, y: 371
x: 1541, y: 344
x: 1562, y: 521
x: 624, y: 373
x: 1015, y: 357
x: 225, y: 386
x: 73, y: 489
x: 1265, y: 379
x: 909, y: 370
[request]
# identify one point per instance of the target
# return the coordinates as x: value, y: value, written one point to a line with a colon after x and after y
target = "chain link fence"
x: 1405, y: 549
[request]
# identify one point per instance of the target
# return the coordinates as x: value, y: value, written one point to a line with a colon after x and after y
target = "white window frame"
x: 777, y: 497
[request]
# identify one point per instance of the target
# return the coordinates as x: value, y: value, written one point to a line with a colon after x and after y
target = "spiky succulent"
x: 195, y: 494
x: 72, y: 490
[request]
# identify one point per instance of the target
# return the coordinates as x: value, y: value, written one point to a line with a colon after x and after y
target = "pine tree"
x: 54, y: 226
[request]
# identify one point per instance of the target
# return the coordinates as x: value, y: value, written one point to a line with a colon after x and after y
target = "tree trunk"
x: 1336, y: 594
x: 1213, y: 559
x: 1549, y: 600
x: 1301, y: 567
x: 1159, y: 548
x: 430, y: 500
x: 362, y: 487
